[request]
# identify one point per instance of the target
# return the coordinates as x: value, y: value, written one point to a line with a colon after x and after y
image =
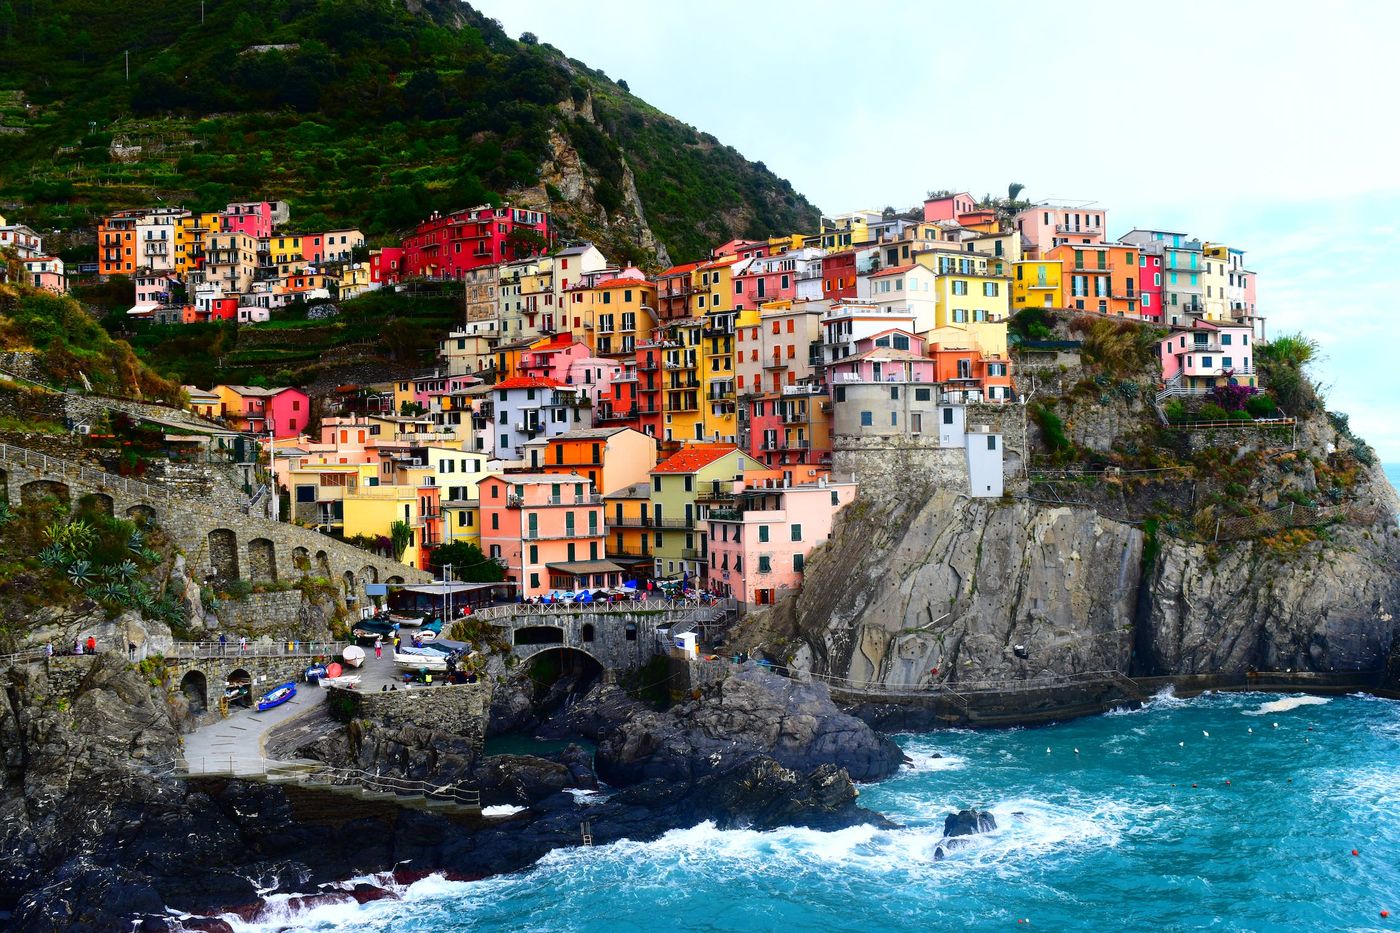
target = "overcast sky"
x: 1267, y: 126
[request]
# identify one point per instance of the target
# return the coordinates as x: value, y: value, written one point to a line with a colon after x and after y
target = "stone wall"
x: 263, y: 611
x: 457, y: 709
x: 66, y: 672
x: 618, y: 641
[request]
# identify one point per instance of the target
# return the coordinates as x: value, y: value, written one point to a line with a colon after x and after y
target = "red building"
x: 617, y: 404
x: 650, y: 380
x: 386, y: 265
x: 447, y: 246
x: 839, y: 275
x: 673, y: 291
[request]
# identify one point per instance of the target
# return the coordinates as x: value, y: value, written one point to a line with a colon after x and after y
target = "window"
x: 990, y: 289
x: 764, y: 564
x: 1225, y: 340
x: 866, y: 419
x: 656, y: 484
x: 496, y: 521
x: 1205, y: 362
x: 534, y: 553
x: 959, y: 315
x: 762, y: 534
x: 991, y: 442
x: 959, y: 287
x: 947, y: 416
x: 922, y: 395
x: 797, y: 532
x: 797, y: 563
x: 1227, y: 362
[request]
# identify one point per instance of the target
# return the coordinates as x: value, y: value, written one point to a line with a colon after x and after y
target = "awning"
x: 142, y: 310
x: 440, y: 588
x: 578, y: 567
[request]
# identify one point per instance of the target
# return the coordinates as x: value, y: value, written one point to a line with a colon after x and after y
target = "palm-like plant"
x: 80, y: 573
x: 113, y: 592
x: 73, y: 537
x: 52, y: 556
x: 137, y: 541
x: 126, y: 571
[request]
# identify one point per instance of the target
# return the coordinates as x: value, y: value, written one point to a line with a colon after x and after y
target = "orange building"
x: 547, y: 530
x: 116, y: 243
x: 966, y: 369
x: 1101, y: 277
x: 611, y: 458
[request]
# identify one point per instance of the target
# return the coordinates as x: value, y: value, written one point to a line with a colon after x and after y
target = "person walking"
x: 91, y: 645
x: 223, y: 644
x: 243, y: 644
x: 48, y: 649
x: 378, y: 647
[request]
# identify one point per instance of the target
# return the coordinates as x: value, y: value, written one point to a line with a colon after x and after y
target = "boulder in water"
x: 962, y: 823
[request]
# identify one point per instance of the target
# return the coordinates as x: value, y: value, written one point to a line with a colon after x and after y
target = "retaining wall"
x: 458, y: 709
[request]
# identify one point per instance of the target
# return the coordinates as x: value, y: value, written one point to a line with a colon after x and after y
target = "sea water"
x: 1223, y: 812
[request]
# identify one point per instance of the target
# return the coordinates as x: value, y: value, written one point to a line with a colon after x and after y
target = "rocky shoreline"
x: 96, y: 833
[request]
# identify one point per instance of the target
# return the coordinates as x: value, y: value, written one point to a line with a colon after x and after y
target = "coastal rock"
x: 751, y: 713
x: 520, y: 779
x: 968, y: 822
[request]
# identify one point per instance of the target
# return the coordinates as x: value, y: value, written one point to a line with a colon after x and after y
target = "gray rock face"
x: 946, y: 589
x: 752, y: 713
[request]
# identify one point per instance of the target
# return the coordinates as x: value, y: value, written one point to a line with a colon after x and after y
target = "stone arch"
x: 323, y: 565
x: 538, y: 635
x: 141, y: 514
x: 241, y: 681
x: 223, y: 554
x: 586, y: 633
x: 5, y: 486
x: 195, y: 687
x: 301, y: 559
x: 547, y: 667
x: 369, y: 574
x: 347, y: 583
x: 40, y: 489
x: 97, y: 502
x: 396, y: 579
x: 262, y: 561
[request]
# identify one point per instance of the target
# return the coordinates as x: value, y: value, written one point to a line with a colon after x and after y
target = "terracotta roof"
x: 721, y: 261
x: 678, y: 270
x: 529, y: 382
x: 624, y: 283
x: 690, y: 459
x: 892, y: 270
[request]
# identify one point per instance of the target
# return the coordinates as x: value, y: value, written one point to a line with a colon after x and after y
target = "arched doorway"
x: 539, y: 635
x: 195, y: 687
x: 40, y: 489
x: 301, y: 559
x: 141, y: 514
x: 98, y: 502
x: 323, y: 565
x: 262, y: 561
x: 558, y: 673
x: 238, y: 688
x: 347, y: 582
x: 223, y: 554
x: 586, y: 633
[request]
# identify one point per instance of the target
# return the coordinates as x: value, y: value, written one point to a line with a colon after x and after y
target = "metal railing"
x: 51, y: 466
x: 317, y: 774
x: 259, y: 649
x: 703, y: 610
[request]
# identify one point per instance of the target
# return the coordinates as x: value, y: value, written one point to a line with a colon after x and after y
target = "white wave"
x: 1165, y: 698
x: 282, y: 913
x: 1286, y: 704
x: 586, y: 797
x: 501, y: 809
x: 933, y: 761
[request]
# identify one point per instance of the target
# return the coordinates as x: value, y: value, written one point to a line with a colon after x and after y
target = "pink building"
x: 252, y: 409
x: 893, y: 355
x: 758, y: 549
x: 548, y: 532
x: 592, y: 376
x: 1207, y: 354
x: 794, y: 275
x: 253, y: 218
x: 552, y: 360
x: 1047, y: 225
x: 331, y: 246
x: 1150, y: 283
x: 951, y: 207
x: 46, y: 272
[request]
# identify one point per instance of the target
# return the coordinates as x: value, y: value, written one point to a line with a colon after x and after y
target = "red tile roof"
x: 529, y: 382
x: 679, y: 270
x: 624, y: 283
x: 690, y: 459
x: 892, y: 270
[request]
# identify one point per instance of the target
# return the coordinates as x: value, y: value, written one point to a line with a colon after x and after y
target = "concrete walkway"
x: 235, y: 745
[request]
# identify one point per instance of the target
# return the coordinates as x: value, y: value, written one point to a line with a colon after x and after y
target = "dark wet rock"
x: 599, y: 709
x: 751, y: 713
x: 580, y: 765
x: 520, y: 779
x: 968, y: 822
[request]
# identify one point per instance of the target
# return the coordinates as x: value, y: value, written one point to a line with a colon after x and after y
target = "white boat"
x: 416, y: 659
x: 350, y: 681
x: 353, y: 655
x: 406, y: 620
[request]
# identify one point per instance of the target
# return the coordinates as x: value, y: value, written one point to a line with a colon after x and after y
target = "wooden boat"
x: 406, y: 620
x: 353, y: 656
x: 350, y: 681
x: 277, y: 696
x: 370, y: 629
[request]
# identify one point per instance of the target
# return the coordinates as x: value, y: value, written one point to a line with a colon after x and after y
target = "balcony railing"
x: 679, y: 524
x: 1087, y: 230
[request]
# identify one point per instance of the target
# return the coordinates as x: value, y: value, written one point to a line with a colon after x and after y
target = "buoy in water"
x: 1385, y: 913
x: 1251, y: 731
x: 1354, y: 852
x: 1076, y: 751
x: 1193, y: 785
x: 1205, y: 733
x: 1047, y: 749
x: 1227, y: 781
x: 1275, y: 725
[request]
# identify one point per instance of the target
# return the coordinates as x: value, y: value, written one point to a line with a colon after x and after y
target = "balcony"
x: 586, y: 499
x: 796, y: 416
x: 648, y: 366
x: 690, y: 553
x: 669, y: 524
x: 1094, y: 230
x: 802, y: 444
x: 775, y: 364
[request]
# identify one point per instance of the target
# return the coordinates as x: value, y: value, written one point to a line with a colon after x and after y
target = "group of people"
x: 79, y: 647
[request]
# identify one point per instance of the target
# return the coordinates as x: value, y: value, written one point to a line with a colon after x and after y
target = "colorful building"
x: 547, y: 530
x: 610, y: 458
x: 1047, y: 225
x: 527, y: 407
x: 46, y: 272
x: 758, y: 547
x: 676, y: 485
x: 1204, y: 354
x: 1101, y: 277
x: 447, y: 246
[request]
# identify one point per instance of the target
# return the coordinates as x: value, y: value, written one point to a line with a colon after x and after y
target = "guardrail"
x: 193, y: 650
x: 704, y: 608
x: 53, y: 466
x: 317, y: 774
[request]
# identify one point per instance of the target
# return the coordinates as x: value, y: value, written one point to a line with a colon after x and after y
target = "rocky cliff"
x: 1269, y: 548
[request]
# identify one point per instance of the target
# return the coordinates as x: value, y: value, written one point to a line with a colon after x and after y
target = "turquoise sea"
x: 1392, y: 473
x: 1225, y: 812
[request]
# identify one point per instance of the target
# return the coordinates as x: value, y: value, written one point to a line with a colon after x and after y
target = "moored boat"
x: 353, y: 656
x: 277, y: 696
x: 417, y: 659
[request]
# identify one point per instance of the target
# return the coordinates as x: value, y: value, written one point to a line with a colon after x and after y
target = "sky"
x: 1265, y: 126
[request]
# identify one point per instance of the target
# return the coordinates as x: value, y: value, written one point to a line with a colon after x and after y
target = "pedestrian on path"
x: 379, y: 647
x: 91, y: 645
x: 243, y: 645
x: 223, y: 644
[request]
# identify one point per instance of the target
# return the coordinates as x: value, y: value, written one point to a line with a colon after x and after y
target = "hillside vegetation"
x: 360, y: 112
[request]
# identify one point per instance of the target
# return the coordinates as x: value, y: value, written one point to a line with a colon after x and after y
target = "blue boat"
x: 276, y: 697
x: 315, y: 672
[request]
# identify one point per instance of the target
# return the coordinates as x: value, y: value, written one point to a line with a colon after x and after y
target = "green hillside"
x: 360, y: 112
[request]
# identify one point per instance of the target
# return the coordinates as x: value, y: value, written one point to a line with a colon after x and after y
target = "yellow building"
x: 1003, y: 248
x: 1037, y: 283
x: 846, y: 230
x: 1215, y: 271
x: 676, y: 485
x: 967, y: 290
x: 191, y: 240
x: 413, y: 500
x: 626, y: 516
x: 680, y: 382
x: 616, y: 315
